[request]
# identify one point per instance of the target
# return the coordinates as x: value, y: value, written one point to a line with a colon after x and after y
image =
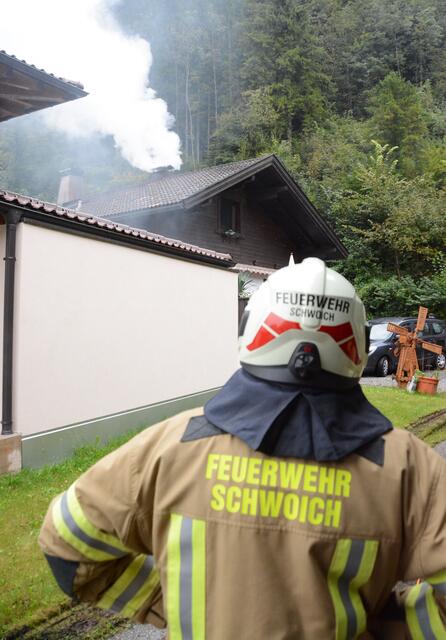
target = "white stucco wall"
x: 2, y: 289
x: 102, y: 328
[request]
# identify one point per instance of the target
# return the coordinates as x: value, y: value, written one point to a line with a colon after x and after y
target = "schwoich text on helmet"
x: 249, y: 486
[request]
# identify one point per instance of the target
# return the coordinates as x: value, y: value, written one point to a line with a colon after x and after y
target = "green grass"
x: 401, y: 407
x: 26, y: 586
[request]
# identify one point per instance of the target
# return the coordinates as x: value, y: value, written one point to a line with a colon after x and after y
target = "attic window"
x: 229, y: 217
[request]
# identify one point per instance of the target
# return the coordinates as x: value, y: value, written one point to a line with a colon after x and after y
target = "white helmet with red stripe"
x: 307, y: 324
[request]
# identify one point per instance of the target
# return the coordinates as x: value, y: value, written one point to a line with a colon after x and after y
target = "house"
x: 109, y: 322
x: 252, y: 209
x: 106, y: 328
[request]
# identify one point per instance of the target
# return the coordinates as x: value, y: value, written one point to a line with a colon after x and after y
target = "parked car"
x: 382, y: 360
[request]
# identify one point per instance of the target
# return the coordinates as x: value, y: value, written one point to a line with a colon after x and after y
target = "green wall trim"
x: 53, y: 446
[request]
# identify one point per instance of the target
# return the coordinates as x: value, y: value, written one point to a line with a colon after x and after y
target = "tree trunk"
x: 190, y: 123
x: 214, y: 75
x: 397, y: 53
x: 186, y: 114
x: 197, y: 136
x: 176, y: 90
x: 397, y: 264
x: 209, y: 123
x: 290, y: 128
x: 230, y: 58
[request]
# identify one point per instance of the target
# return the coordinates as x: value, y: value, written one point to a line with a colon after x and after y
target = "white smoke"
x: 80, y: 40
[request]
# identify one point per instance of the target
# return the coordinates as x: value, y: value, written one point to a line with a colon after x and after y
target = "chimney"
x: 160, y: 173
x: 71, y: 188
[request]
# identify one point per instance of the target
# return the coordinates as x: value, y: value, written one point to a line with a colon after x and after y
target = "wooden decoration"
x: 406, y: 348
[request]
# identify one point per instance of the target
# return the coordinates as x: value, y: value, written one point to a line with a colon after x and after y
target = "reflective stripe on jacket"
x: 225, y: 542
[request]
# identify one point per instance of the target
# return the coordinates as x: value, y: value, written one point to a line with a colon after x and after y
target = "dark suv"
x: 382, y: 360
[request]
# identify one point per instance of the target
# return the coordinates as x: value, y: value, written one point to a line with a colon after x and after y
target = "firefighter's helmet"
x: 305, y: 324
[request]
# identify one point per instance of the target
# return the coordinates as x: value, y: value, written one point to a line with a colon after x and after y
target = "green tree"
x: 283, y: 57
x: 399, y: 119
x: 393, y: 223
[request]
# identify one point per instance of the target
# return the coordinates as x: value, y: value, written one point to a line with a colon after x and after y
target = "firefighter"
x: 288, y: 508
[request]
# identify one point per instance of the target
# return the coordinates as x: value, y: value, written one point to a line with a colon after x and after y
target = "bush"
x: 392, y: 296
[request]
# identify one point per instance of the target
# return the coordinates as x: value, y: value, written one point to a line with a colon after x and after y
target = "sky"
x: 81, y: 40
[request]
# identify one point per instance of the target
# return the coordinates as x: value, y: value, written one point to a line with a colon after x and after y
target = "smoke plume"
x: 81, y: 40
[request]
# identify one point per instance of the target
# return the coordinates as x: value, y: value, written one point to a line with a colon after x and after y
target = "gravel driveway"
x: 389, y: 382
x: 141, y: 632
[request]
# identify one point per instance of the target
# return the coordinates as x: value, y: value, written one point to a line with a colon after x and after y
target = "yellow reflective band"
x: 130, y: 592
x: 173, y: 577
x: 198, y: 579
x: 361, y: 578
x: 121, y: 584
x: 337, y: 567
x: 434, y: 616
x: 82, y: 521
x: 411, y: 616
x: 186, y: 578
x: 143, y: 594
x: 75, y: 529
x: 438, y: 581
x: 72, y: 540
x: 422, y: 615
x: 437, y: 578
x: 351, y: 567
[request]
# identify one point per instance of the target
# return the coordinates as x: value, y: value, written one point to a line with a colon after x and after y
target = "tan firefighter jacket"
x: 226, y: 543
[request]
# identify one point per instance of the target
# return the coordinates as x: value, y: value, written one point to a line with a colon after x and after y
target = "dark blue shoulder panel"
x: 64, y: 571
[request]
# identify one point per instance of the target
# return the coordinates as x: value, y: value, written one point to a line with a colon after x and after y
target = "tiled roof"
x: 254, y: 270
x: 35, y: 205
x: 165, y: 190
x: 192, y: 188
x: 78, y: 85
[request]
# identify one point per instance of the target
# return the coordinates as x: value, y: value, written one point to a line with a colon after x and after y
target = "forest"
x: 350, y: 94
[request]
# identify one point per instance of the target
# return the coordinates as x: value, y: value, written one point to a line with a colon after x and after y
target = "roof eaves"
x: 253, y: 269
x: 55, y: 215
x: 76, y: 89
x: 228, y: 182
x: 308, y: 206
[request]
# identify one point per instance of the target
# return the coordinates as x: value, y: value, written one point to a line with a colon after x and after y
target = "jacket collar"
x: 292, y: 421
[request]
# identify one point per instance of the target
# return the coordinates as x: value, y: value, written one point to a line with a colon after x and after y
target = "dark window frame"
x: 233, y: 225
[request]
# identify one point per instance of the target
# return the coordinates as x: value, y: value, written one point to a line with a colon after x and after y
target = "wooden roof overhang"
x: 24, y: 88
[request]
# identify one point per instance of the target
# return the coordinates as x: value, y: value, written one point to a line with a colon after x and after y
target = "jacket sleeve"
x: 424, y: 551
x: 92, y: 535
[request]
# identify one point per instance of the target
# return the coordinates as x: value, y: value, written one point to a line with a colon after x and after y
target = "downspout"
x: 12, y: 218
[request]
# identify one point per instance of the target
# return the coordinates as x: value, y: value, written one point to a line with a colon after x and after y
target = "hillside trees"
x: 398, y: 221
x: 395, y: 230
x: 196, y: 46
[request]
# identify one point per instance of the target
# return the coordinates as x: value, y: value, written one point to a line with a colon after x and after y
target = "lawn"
x: 26, y: 584
x: 401, y: 407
